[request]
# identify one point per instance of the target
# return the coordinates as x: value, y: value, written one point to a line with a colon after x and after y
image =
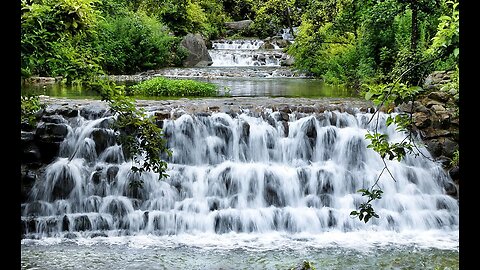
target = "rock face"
x: 198, y: 55
x: 436, y: 120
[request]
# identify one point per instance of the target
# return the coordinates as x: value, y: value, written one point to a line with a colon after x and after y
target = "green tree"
x: 55, y: 38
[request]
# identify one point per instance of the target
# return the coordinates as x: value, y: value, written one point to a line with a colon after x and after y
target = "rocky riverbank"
x: 436, y: 120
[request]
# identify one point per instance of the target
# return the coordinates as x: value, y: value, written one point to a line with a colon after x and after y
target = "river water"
x: 245, y: 191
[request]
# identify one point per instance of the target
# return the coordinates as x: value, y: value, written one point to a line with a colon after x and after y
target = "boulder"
x: 439, y: 96
x: 238, y: 25
x: 289, y: 61
x: 198, y: 55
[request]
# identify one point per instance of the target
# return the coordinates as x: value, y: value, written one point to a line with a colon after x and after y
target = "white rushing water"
x: 243, y: 53
x: 248, y: 181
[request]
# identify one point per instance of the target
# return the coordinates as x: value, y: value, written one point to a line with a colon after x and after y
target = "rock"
x: 309, y: 128
x: 455, y: 173
x: 65, y: 223
x: 430, y: 102
x: 434, y: 132
x: 70, y: 235
x: 103, y: 138
x: 27, y: 137
x: 305, y: 109
x: 238, y: 25
x: 434, y: 147
x: 98, y: 234
x: 40, y: 80
x: 52, y: 132
x: 68, y: 111
x: 245, y: 132
x: 267, y: 46
x: 421, y: 120
x: 31, y: 154
x: 198, y: 55
x: 282, y: 43
x: 55, y: 119
x: 82, y: 223
x: 97, y: 177
x: 286, y: 128
x: 27, y: 181
x: 439, y: 96
x: 94, y: 111
x: 48, y: 138
x: 162, y: 115
x: 450, y: 189
x: 112, y: 173
x: 448, y: 147
x: 289, y: 61
x: 438, y: 109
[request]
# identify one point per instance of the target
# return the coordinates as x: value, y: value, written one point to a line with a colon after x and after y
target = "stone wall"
x: 436, y: 119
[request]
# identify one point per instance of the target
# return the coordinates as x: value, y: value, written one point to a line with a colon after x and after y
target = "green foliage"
x: 456, y: 158
x: 379, y: 143
x: 356, y: 42
x: 54, y: 38
x: 390, y: 94
x: 215, y: 18
x: 30, y: 105
x: 161, y: 86
x: 273, y: 15
x: 446, y: 40
x: 135, y: 42
x: 366, y: 211
x: 188, y: 16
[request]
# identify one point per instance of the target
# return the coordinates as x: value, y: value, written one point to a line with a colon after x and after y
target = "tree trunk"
x: 290, y: 23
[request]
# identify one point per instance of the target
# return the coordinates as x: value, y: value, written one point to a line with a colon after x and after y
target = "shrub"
x: 161, y: 86
x: 135, y: 42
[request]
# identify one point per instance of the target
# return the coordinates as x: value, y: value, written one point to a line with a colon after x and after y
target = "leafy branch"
x: 140, y: 137
x: 366, y: 210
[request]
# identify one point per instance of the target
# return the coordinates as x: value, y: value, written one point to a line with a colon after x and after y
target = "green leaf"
x: 368, y: 95
x: 455, y: 52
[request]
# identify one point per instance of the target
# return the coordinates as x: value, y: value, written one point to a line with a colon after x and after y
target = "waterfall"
x: 240, y: 53
x: 248, y: 173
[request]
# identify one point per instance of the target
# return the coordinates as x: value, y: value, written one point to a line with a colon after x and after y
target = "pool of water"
x: 282, y: 87
x: 237, y: 251
x: 235, y: 87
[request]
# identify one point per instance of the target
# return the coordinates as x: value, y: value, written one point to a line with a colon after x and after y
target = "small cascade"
x: 249, y: 173
x: 228, y: 53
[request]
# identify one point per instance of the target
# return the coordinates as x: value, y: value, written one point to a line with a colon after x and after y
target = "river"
x: 255, y: 189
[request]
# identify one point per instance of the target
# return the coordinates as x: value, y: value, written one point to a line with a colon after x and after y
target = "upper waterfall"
x: 245, y: 53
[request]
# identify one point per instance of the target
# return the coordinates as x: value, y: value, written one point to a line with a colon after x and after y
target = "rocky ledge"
x: 436, y: 119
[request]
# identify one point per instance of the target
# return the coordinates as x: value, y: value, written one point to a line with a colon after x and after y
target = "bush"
x: 161, y: 86
x: 135, y: 42
x: 30, y: 105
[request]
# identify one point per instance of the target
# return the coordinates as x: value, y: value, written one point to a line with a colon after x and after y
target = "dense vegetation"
x: 344, y: 42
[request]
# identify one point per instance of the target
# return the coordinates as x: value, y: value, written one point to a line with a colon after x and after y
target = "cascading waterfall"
x: 248, y: 173
x: 227, y: 53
